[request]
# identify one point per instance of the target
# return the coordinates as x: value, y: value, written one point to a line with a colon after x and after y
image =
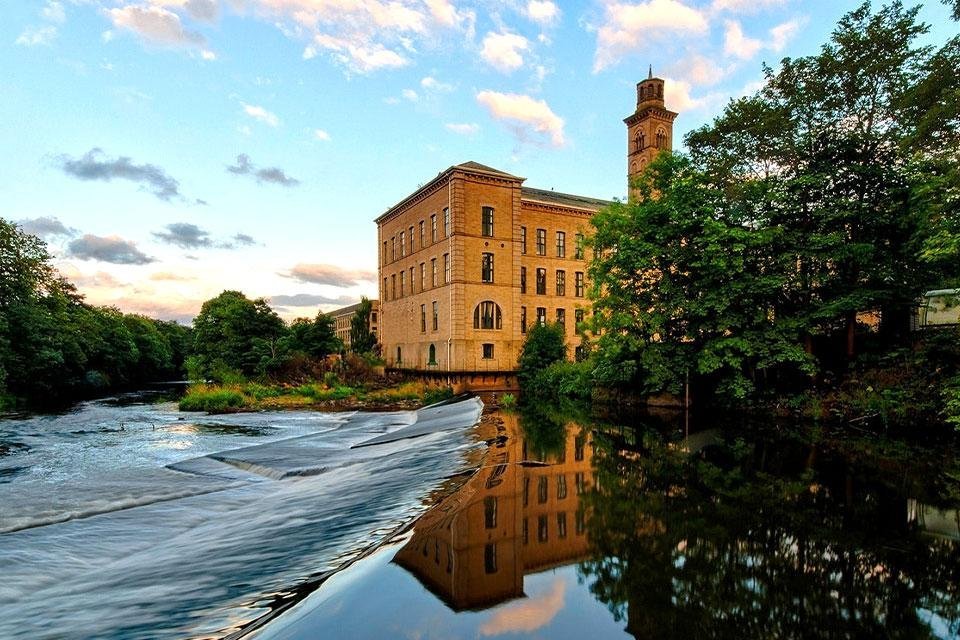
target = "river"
x: 124, y: 518
x: 127, y: 519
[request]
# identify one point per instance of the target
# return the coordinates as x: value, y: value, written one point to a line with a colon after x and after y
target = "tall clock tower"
x: 649, y: 129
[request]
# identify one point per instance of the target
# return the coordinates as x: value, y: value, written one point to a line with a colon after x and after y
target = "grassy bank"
x: 252, y: 396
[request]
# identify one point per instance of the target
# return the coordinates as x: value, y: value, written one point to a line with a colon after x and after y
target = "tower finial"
x: 650, y: 73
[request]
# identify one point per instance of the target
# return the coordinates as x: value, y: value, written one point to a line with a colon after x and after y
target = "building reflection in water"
x: 520, y: 514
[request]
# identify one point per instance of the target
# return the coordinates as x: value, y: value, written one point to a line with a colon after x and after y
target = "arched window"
x: 633, y: 167
x: 639, y: 141
x: 487, y: 316
x: 433, y: 355
x: 660, y: 91
x: 661, y: 138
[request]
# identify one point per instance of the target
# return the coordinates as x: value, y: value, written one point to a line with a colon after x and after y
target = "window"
x: 436, y: 315
x: 562, y: 524
x: 486, y: 271
x: 523, y: 319
x: 446, y: 268
x: 446, y: 222
x: 526, y: 531
x: 421, y: 234
x: 578, y: 447
x: 486, y: 225
x: 561, y: 244
x: 523, y: 241
x: 393, y: 248
x: 578, y: 284
x: 523, y: 279
x: 432, y: 355
x: 423, y: 318
x: 487, y: 351
x: 399, y: 356
x: 661, y: 138
x: 423, y: 277
x: 578, y: 247
x: 581, y: 484
x: 561, y: 487
x: 411, y: 239
x: 561, y: 283
x: 581, y: 522
x: 384, y: 287
x: 541, y: 315
x: 403, y: 280
x: 433, y: 228
x: 526, y: 487
x: 562, y: 317
x: 411, y: 280
x: 373, y: 317
x: 640, y: 140
x: 490, y: 558
x: 542, y: 533
x: 393, y: 285
x: 403, y: 244
x: 490, y: 512
x: 433, y: 272
x: 384, y: 252
x: 487, y: 315
x: 542, y: 489
x: 578, y: 316
x: 541, y: 282
x: 541, y: 242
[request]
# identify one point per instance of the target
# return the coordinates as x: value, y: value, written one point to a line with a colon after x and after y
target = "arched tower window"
x: 659, y: 90
x: 661, y: 138
x: 487, y: 315
x: 639, y: 140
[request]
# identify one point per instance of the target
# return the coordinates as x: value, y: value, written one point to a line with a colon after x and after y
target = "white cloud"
x: 410, y: 95
x: 525, y: 114
x: 35, y: 36
x: 745, y: 6
x: 629, y: 27
x: 154, y: 24
x: 206, y: 10
x: 54, y: 12
x: 502, y: 51
x: 261, y: 114
x: 783, y: 33
x: 699, y: 70
x: 736, y: 44
x: 206, y: 54
x: 463, y: 129
x: 677, y: 96
x: 432, y: 84
x: 740, y: 46
x: 543, y: 12
x: 320, y: 134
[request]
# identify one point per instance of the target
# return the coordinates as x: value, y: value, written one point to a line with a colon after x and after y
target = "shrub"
x: 508, y: 401
x: 212, y: 399
x: 331, y: 379
x: 545, y: 344
x: 951, y: 396
x: 437, y: 394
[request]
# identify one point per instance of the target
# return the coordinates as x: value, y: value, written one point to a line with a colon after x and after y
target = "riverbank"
x: 315, y: 396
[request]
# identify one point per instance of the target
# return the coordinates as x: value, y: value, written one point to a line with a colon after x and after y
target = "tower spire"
x: 650, y: 73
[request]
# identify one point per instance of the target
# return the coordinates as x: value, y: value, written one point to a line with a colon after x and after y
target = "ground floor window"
x: 432, y: 355
x: 487, y: 351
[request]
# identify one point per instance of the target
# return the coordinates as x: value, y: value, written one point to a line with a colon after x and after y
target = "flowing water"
x: 124, y: 518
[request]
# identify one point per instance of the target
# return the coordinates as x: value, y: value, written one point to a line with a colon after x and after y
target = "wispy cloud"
x: 310, y: 300
x: 46, y: 227
x: 329, y: 274
x: 463, y: 128
x: 532, y: 120
x: 37, y: 36
x: 189, y: 236
x: 628, y: 28
x: 504, y: 51
x: 261, y: 114
x: 322, y: 135
x: 156, y: 25
x: 274, y: 175
x: 112, y: 249
x: 738, y: 45
x: 543, y: 12
x: 94, y: 165
x: 745, y: 6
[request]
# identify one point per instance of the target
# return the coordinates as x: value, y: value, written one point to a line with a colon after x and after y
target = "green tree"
x: 544, y: 345
x: 362, y: 340
x: 315, y: 338
x: 235, y: 335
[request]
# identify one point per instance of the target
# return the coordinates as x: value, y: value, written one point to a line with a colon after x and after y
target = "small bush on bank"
x: 565, y: 379
x: 213, y: 400
x: 508, y: 402
x: 437, y: 394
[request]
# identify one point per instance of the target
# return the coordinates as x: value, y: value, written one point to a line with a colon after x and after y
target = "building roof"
x: 350, y: 309
x: 564, y: 199
x: 476, y: 166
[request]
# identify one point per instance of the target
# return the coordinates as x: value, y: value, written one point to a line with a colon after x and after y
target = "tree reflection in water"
x: 769, y: 537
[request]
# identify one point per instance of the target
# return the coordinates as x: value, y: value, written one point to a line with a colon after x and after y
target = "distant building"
x: 470, y: 260
x: 939, y: 308
x: 342, y: 318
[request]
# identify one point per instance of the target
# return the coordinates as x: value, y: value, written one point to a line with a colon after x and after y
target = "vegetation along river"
x: 125, y: 518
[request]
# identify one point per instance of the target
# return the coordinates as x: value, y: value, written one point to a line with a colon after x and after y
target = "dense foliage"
x: 545, y: 344
x: 832, y: 192
x: 54, y: 346
x: 362, y: 340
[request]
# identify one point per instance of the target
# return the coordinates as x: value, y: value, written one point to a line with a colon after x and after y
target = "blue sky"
x: 170, y: 149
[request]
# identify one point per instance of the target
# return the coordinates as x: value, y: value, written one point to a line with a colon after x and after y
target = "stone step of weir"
x: 461, y: 413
